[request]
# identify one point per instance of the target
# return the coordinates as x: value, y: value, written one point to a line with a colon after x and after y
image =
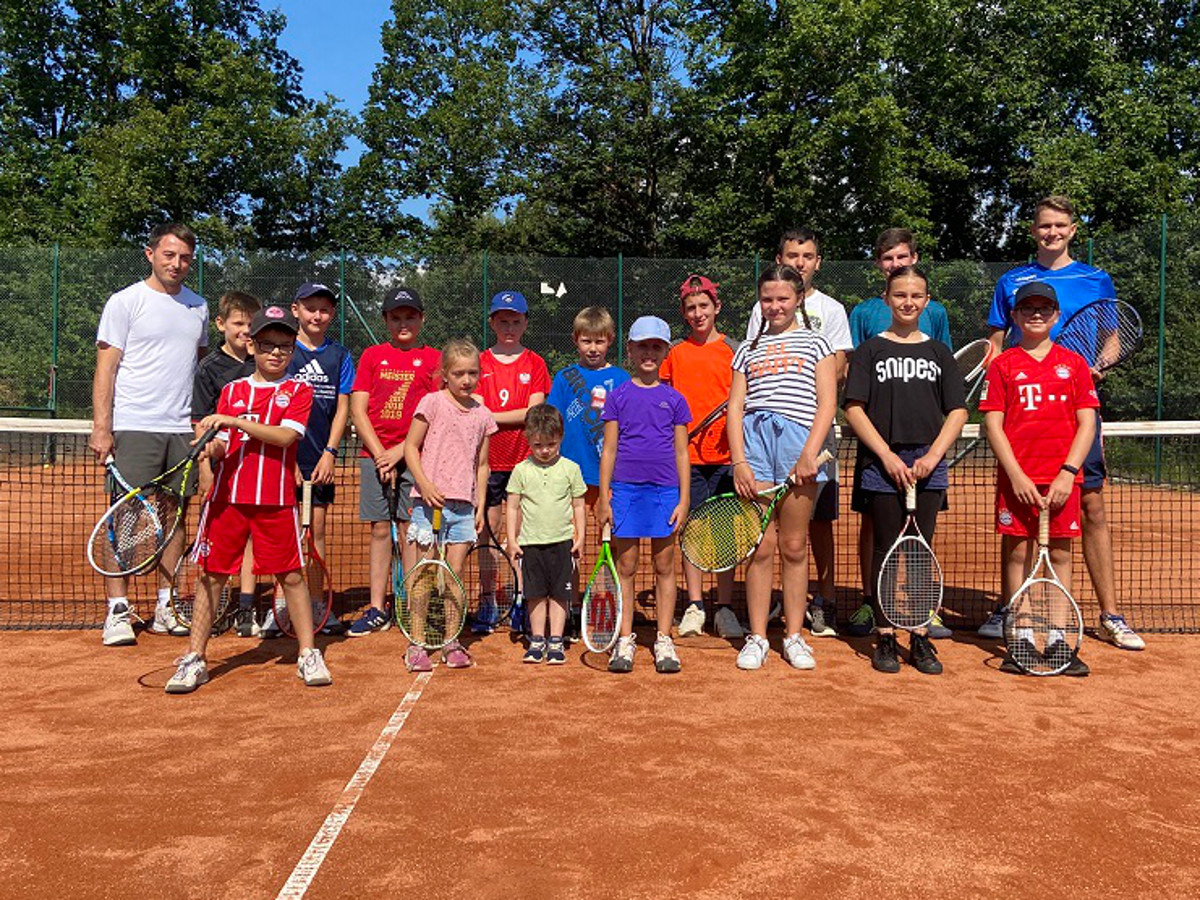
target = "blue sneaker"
x: 371, y: 621
x: 487, y: 614
x: 517, y: 620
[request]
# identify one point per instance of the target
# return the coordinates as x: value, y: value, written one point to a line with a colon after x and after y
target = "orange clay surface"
x: 520, y: 781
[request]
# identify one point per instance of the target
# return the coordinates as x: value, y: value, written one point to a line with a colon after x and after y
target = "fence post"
x: 1162, y: 340
x: 200, y: 269
x: 757, y: 270
x: 1091, y: 250
x: 484, y: 331
x: 620, y: 309
x: 54, y: 290
x: 342, y: 296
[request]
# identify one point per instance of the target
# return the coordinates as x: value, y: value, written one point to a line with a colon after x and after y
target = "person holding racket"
x: 447, y: 453
x: 699, y: 368
x: 781, y: 408
x: 150, y: 337
x: 1039, y: 402
x: 905, y: 402
x: 1076, y: 284
x: 644, y: 485
x: 545, y: 521
x: 262, y: 418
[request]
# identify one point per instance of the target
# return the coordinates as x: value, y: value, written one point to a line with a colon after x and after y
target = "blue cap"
x: 509, y: 300
x: 650, y: 328
x: 313, y: 289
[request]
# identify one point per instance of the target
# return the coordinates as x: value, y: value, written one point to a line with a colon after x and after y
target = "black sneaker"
x: 246, y: 625
x: 1027, y: 651
x: 886, y: 658
x: 555, y: 655
x: 536, y: 652
x: 923, y: 656
x: 1059, y: 655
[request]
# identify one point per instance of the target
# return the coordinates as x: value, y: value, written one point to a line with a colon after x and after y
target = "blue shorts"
x: 1094, y: 469
x: 708, y: 481
x: 458, y: 523
x: 642, y: 510
x: 773, y: 444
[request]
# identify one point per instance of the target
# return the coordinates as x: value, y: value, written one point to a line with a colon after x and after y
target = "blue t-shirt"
x: 329, y: 370
x: 872, y: 316
x: 579, y: 393
x: 647, y: 417
x: 1076, y: 285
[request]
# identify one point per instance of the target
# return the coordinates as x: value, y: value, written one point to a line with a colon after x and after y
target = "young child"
x: 328, y: 368
x: 545, y: 519
x: 392, y: 379
x: 699, y: 368
x: 231, y: 362
x: 263, y: 418
x: 905, y: 401
x: 447, y: 454
x: 1040, y: 402
x: 644, y: 484
x: 781, y: 407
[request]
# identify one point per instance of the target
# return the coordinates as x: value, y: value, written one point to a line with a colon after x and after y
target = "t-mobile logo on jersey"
x: 1031, y: 395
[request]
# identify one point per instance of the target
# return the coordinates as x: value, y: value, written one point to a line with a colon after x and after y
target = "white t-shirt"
x: 826, y: 315
x: 157, y: 335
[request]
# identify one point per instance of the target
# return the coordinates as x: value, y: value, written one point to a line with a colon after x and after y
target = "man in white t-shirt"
x: 800, y: 249
x: 150, y: 337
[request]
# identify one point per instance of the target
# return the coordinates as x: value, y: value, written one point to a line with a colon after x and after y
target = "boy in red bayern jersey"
x: 262, y: 418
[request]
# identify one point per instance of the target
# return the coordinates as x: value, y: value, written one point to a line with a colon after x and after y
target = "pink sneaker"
x: 455, y: 656
x: 416, y: 659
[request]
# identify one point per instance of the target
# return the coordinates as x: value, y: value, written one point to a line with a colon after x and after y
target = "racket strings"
x: 134, y: 532
x: 1042, y: 628
x: 721, y: 533
x: 910, y: 584
x: 601, y: 615
x: 1105, y: 334
x: 432, y: 606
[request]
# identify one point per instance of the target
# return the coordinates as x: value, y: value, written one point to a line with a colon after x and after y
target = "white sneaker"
x: 192, y: 672
x: 994, y: 626
x: 798, y: 653
x: 666, y: 660
x: 269, y: 628
x: 622, y: 654
x: 118, y: 629
x: 692, y: 623
x: 1116, y: 630
x: 753, y: 653
x: 311, y: 669
x: 166, y: 622
x: 728, y: 625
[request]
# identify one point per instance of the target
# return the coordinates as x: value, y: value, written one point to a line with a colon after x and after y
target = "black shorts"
x: 497, y: 488
x: 826, y: 507
x: 548, y: 570
x: 708, y: 481
x: 322, y: 494
x: 1094, y: 469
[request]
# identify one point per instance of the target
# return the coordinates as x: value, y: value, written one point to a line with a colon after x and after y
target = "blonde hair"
x: 458, y: 348
x: 594, y: 320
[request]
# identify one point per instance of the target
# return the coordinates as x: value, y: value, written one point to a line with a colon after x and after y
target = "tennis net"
x: 51, y: 494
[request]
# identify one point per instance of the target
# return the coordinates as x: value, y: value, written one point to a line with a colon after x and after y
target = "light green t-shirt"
x: 546, y: 493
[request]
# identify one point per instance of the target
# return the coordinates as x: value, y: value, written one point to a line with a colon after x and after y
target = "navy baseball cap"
x: 1036, y: 289
x: 510, y: 300
x: 273, y: 317
x: 313, y: 289
x: 404, y: 296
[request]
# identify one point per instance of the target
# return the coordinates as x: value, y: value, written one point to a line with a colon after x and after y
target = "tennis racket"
x: 973, y: 360
x: 1042, y: 624
x: 724, y: 530
x: 432, y: 604
x: 185, y: 585
x: 316, y: 574
x: 910, y: 580
x: 602, y: 601
x: 708, y: 420
x: 132, y: 533
x: 391, y: 495
x: 491, y: 578
x: 1106, y: 333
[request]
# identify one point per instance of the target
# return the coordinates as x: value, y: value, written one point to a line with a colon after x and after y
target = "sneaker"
x: 518, y: 621
x: 1116, y: 630
x: 727, y: 623
x: 994, y: 626
x: 938, y: 630
x: 886, y: 657
x: 333, y: 625
x: 862, y: 621
x: 923, y: 655
x: 536, y: 652
x: 556, y: 654
x: 247, y: 624
x: 1059, y: 654
x: 666, y: 660
x: 311, y: 669
x: 1028, y: 651
x: 753, y: 653
x: 692, y: 623
x: 192, y: 672
x: 776, y: 612
x: 118, y: 629
x: 820, y: 620
x: 487, y: 614
x: 270, y: 629
x: 369, y: 622
x: 166, y: 622
x: 416, y: 659
x: 622, y: 654
x: 455, y: 656
x: 797, y: 652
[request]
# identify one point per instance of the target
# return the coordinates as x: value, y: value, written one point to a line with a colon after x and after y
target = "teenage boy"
x: 801, y: 249
x: 328, y: 368
x: 390, y: 382
x: 1076, y: 284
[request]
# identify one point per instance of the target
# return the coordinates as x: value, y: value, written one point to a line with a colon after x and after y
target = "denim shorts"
x: 458, y: 523
x: 773, y: 444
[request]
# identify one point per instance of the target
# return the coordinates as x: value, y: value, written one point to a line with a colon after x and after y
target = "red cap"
x: 698, y: 284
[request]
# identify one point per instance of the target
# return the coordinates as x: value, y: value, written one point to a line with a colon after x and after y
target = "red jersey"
x: 395, y: 380
x: 507, y: 386
x: 254, y: 472
x: 1039, y: 400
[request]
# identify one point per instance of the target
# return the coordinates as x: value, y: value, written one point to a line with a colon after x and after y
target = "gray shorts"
x: 372, y: 506
x: 142, y: 456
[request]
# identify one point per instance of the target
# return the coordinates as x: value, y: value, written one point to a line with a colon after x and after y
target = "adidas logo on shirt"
x: 239, y: 404
x: 1021, y: 376
x: 312, y: 373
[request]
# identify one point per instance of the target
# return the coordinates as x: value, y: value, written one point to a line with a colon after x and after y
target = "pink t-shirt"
x: 451, y: 448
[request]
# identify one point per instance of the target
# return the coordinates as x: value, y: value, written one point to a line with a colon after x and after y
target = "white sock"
x: 113, y: 601
x: 164, y: 598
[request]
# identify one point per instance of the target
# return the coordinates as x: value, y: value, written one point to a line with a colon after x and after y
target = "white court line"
x: 306, y: 869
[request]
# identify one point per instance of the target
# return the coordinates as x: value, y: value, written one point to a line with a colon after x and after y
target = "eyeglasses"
x: 267, y: 349
x: 1044, y: 312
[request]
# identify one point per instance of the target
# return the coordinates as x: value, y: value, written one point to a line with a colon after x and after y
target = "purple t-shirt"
x: 647, y: 419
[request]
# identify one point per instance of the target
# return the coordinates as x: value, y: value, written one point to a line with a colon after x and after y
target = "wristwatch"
x: 1067, y: 467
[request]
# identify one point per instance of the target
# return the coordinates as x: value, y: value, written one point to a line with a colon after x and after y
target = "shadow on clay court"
x: 283, y: 651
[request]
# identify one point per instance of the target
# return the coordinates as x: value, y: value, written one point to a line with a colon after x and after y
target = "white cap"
x: 650, y: 328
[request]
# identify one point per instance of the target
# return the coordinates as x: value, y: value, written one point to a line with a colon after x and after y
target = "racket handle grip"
x: 606, y: 533
x: 1044, y: 527
x: 823, y: 457
x: 910, y: 497
x: 436, y: 520
x: 306, y: 503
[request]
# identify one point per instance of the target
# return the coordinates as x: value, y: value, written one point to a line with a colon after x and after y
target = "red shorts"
x: 226, y: 526
x: 1016, y: 518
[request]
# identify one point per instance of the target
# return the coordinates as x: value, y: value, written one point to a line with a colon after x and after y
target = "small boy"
x: 1040, y: 402
x: 545, y: 519
x: 231, y: 362
x: 700, y: 368
x: 390, y: 382
x: 262, y: 418
x: 328, y: 368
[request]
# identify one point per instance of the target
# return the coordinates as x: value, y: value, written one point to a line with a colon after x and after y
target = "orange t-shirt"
x: 703, y: 373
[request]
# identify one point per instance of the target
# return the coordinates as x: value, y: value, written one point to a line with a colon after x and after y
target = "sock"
x: 164, y: 598
x: 699, y: 604
x: 245, y: 601
x: 113, y: 601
